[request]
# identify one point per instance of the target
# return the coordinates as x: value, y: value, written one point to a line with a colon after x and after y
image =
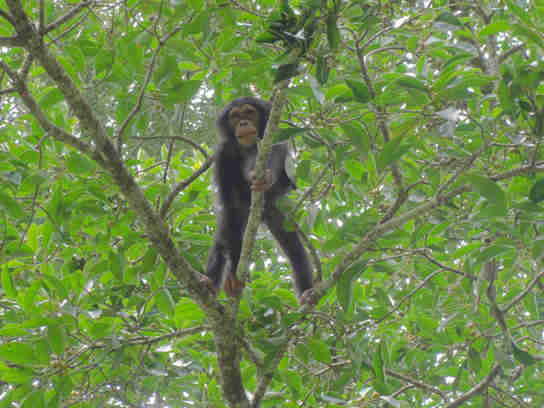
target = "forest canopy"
x: 415, y: 130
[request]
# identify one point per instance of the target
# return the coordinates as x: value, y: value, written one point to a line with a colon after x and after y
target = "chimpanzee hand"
x: 208, y: 284
x: 233, y: 286
x: 262, y: 185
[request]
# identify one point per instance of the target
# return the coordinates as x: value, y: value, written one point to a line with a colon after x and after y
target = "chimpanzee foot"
x: 307, y: 297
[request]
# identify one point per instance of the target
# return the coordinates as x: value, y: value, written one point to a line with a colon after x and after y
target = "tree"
x: 417, y: 128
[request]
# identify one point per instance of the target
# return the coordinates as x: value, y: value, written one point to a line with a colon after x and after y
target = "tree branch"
x: 183, y: 185
x: 267, y: 374
x: 6, y: 16
x: 477, y: 388
x: 257, y: 199
x: 147, y: 78
x: 50, y: 128
x: 154, y: 226
x: 68, y: 16
x: 390, y: 225
x: 11, y: 42
x: 523, y: 293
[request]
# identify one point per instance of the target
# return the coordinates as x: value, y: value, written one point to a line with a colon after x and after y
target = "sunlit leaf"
x: 412, y: 83
x: 7, y: 283
x: 494, y: 28
x: 320, y: 351
x: 488, y: 189
x: 360, y: 91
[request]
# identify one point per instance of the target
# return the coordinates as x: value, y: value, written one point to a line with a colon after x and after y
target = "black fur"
x: 232, y: 167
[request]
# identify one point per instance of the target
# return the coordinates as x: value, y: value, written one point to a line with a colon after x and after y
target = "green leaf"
x: 285, y: 71
x: 337, y: 90
x: 412, y: 83
x: 475, y: 360
x: 117, y: 265
x: 392, y: 152
x: 197, y: 25
x: 7, y: 283
x: 15, y: 375
x: 529, y: 34
x: 449, y: 18
x: 196, y: 4
x: 322, y: 70
x: 51, y: 98
x: 267, y: 37
x: 379, y: 369
x: 519, y: 12
x: 183, y: 91
x: 187, y: 312
x: 79, y: 164
x: 536, y: 194
x: 538, y: 249
x: 53, y: 283
x: 454, y: 61
x: 491, y: 252
x: 287, y: 133
x: 490, y: 190
x: 18, y: 353
x: 55, y: 337
x: 165, y: 302
x: 333, y: 34
x: 360, y: 91
x: 344, y: 288
x: 36, y: 399
x: 320, y: 351
x: 188, y: 66
x: 358, y: 135
x: 476, y: 80
x: 495, y: 28
x: 11, y: 206
x: 523, y: 356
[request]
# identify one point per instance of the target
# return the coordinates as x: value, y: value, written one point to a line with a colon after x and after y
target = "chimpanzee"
x: 239, y: 125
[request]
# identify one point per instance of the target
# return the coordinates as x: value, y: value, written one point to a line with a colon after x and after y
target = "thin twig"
x: 147, y: 79
x: 183, y: 185
x: 523, y: 293
x: 45, y: 123
x: 477, y: 388
x: 182, y: 138
x: 68, y: 16
x: 8, y: 17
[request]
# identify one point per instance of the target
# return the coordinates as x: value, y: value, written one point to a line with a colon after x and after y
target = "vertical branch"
x: 257, y: 199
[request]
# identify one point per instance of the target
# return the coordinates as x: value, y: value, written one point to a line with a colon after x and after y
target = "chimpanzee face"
x: 244, y: 121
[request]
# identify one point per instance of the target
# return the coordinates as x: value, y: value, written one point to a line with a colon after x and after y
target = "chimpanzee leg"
x: 225, y: 253
x: 291, y: 244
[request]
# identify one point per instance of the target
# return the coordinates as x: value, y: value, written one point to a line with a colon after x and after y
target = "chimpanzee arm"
x: 280, y: 182
x: 291, y: 244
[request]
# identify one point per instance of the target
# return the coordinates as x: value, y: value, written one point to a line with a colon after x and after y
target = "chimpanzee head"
x: 244, y: 120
